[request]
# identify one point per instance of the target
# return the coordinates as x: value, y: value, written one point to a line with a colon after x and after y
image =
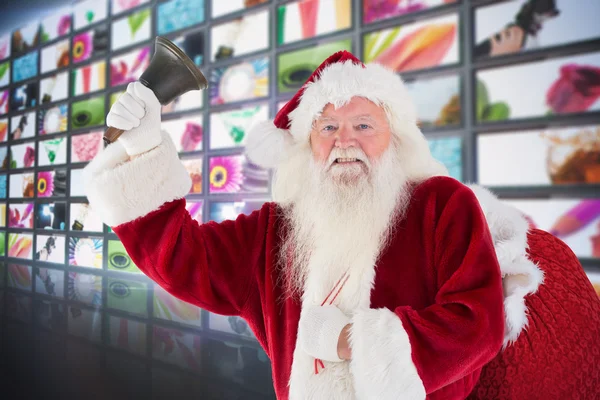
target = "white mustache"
x: 351, y: 152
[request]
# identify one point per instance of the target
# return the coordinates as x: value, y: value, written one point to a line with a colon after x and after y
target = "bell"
x: 170, y: 74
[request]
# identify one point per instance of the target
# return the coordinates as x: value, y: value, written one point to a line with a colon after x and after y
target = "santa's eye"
x: 363, y: 126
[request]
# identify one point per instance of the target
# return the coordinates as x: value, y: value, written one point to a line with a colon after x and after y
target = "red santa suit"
x: 426, y: 317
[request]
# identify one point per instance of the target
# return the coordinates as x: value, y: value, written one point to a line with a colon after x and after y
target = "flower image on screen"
x: 22, y: 97
x: 221, y: 211
x: 20, y: 215
x: 129, y: 67
x: 5, y: 43
x: 54, y: 88
x: 309, y: 18
x: 425, y: 44
x: 56, y: 26
x: 52, y: 183
x: 84, y: 288
x: 20, y: 245
x: 50, y: 282
x: 89, y: 12
x: 377, y: 10
x: 191, y: 100
x: 90, y: 44
x: 544, y: 88
x: 22, y: 185
x: 540, y: 158
x: 88, y: 113
x: 443, y: 109
x: 295, y: 67
x: 20, y: 156
x: 245, y: 81
x: 85, y: 252
x: 51, y: 216
x: 25, y: 38
x: 220, y: 8
x: 84, y: 323
x: 4, y: 73
x: 516, y: 26
x: 194, y: 168
x: 235, y: 174
x: 178, y: 14
x: 170, y: 308
x: 132, y: 29
x: 127, y: 295
x: 55, y: 56
x: 85, y: 147
x: 53, y: 119
x: 118, y: 6
x: 52, y: 152
x: 118, y: 259
x: 127, y: 335
x: 230, y: 128
x: 50, y: 248
x: 25, y: 67
x: 186, y: 132
x: 245, y: 35
x: 176, y: 347
x: 449, y: 152
x: 19, y: 277
x: 88, y: 79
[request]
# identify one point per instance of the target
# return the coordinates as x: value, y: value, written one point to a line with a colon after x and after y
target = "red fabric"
x: 439, y: 274
x: 558, y: 356
x: 282, y: 120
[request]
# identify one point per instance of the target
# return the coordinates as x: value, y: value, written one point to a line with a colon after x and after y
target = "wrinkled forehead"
x: 356, y: 108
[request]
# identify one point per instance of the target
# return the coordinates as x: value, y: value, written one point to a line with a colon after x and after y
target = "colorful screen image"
x: 85, y: 147
x: 56, y: 26
x: 52, y: 152
x: 186, y: 132
x: 50, y: 315
x: 4, y: 73
x: 230, y: 128
x: 118, y: 259
x: 88, y: 113
x: 50, y: 282
x: 443, y: 109
x: 85, y: 288
x: 22, y: 185
x: 54, y: 88
x: 575, y: 221
x: 52, y: 183
x: 3, y: 129
x: 176, y: 347
x: 540, y: 158
x: 230, y: 324
x: 19, y: 277
x: 539, y: 89
x: 18, y: 307
x: 51, y: 216
x: 517, y: 26
x: 118, y: 6
x: 50, y: 248
x: 114, y: 96
x: 4, y: 100
x: 309, y: 18
x: 20, y: 215
x: 88, y: 79
x: 20, y: 245
x: 236, y: 174
x: 414, y: 46
x: 54, y: 119
x: 85, y: 252
x: 83, y: 218
x: 194, y: 208
x: 92, y: 43
x: 448, y: 151
x: 3, y: 225
x: 55, y: 56
x: 170, y: 308
x: 77, y: 187
x: 24, y: 96
x: 295, y: 67
x: 220, y: 8
x: 194, y: 168
x: 20, y: 156
x: 25, y: 38
x: 22, y: 126
x: 377, y: 10
x: 25, y: 67
x: 221, y: 211
x: 244, y: 81
x: 5, y: 43
x: 131, y: 29
x: 188, y: 101
x: 84, y: 323
x: 2, y: 189
x: 127, y: 334
x: 89, y: 12
x: 130, y: 66
x: 192, y: 45
x: 244, y: 35
x: 127, y: 295
x: 174, y: 15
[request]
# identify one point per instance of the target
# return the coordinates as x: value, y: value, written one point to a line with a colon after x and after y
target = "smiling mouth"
x: 345, y: 160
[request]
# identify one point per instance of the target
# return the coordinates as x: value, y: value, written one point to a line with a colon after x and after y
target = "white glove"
x: 137, y: 112
x: 319, y: 331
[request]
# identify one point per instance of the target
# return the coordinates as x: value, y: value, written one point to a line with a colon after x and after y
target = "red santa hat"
x: 339, y: 78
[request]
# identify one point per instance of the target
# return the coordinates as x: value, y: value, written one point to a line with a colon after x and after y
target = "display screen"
x: 119, y: 6
x: 129, y: 67
x: 25, y: 38
x: 443, y: 109
x: 245, y: 35
x: 85, y: 147
x: 25, y: 67
x: 245, y: 81
x: 220, y: 8
x: 4, y: 73
x: 55, y: 56
x: 88, y: 79
x: 186, y: 132
x: 132, y: 29
x: 377, y: 10
x: 54, y: 88
x: 236, y: 174
x: 230, y: 128
x: 89, y: 12
x: 56, y: 26
x: 170, y: 15
x: 88, y: 113
x: 90, y: 44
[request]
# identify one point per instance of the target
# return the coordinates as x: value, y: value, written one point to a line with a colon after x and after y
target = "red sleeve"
x: 444, y: 346
x: 211, y: 265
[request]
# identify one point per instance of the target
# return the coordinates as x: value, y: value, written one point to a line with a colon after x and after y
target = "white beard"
x: 335, y: 226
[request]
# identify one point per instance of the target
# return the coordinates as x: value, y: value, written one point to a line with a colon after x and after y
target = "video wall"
x: 504, y: 99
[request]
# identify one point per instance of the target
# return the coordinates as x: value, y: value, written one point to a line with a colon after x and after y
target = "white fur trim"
x: 382, y: 366
x: 339, y: 82
x: 121, y: 191
x: 267, y: 145
x: 520, y: 276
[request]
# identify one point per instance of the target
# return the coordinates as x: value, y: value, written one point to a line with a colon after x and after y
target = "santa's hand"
x: 319, y: 331
x: 137, y: 112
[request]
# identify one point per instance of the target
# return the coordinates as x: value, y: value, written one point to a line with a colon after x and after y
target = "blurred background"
x: 508, y: 95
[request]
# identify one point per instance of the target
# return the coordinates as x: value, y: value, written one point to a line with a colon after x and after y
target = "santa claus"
x: 371, y: 275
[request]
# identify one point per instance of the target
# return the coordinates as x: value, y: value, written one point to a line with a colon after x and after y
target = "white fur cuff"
x: 121, y: 191
x: 381, y: 365
x: 319, y: 331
